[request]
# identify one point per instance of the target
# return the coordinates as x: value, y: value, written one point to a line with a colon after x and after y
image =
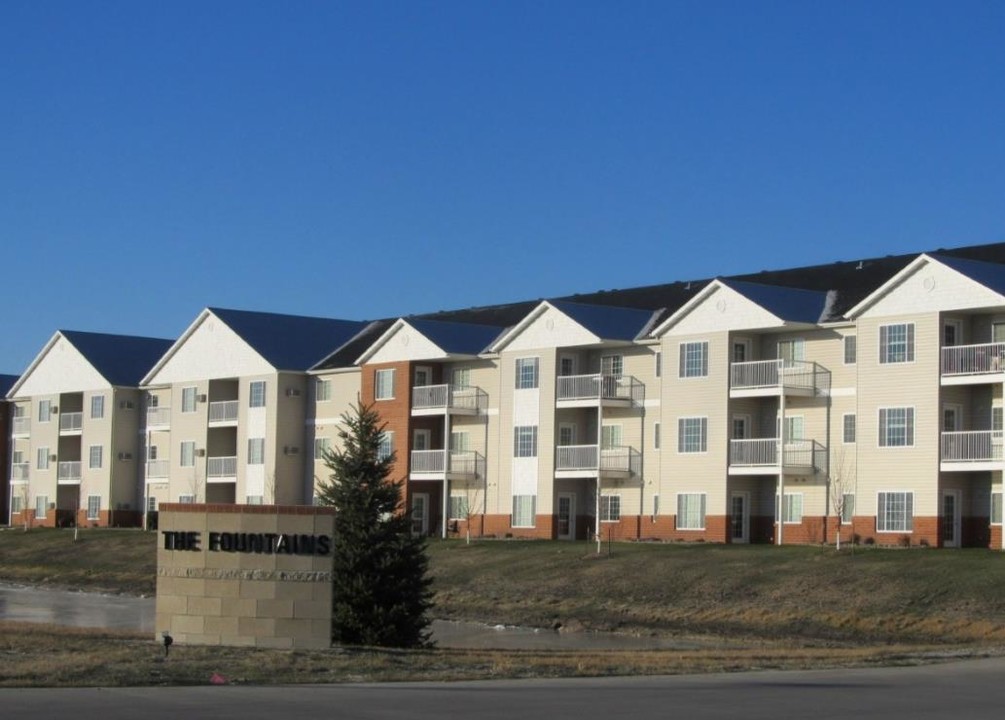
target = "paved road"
x: 970, y: 690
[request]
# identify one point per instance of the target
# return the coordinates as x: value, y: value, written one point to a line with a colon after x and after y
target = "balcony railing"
x: 71, y: 421
x: 22, y: 426
x: 224, y: 411
x: 448, y: 397
x: 19, y: 472
x: 593, y: 458
x: 440, y: 462
x: 600, y: 387
x: 763, y: 452
x: 158, y: 416
x: 158, y: 468
x: 68, y: 471
x: 221, y: 467
x: 770, y: 374
x: 972, y: 446
x: 982, y: 359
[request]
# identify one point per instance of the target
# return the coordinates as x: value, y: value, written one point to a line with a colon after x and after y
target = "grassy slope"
x: 807, y: 592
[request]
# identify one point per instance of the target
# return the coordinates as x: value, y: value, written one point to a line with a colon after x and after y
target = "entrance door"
x: 951, y: 518
x: 420, y: 514
x: 739, y: 517
x: 566, y: 516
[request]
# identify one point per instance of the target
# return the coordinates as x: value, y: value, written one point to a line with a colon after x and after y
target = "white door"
x: 739, y: 517
x: 420, y: 514
x: 951, y: 518
x: 566, y: 516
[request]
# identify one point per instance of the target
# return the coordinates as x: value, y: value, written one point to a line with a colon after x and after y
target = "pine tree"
x: 380, y: 577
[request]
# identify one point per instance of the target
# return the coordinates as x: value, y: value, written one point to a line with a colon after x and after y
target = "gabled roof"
x: 345, y: 356
x: 606, y: 322
x: 453, y: 338
x: 786, y: 303
x: 6, y: 383
x: 990, y: 275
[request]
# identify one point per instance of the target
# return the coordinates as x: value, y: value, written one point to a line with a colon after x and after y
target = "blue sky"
x: 373, y: 159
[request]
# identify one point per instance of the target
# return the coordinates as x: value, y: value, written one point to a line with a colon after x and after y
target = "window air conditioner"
x: 201, y: 452
x: 54, y: 409
x: 292, y: 392
x: 125, y: 456
x: 52, y: 458
x: 126, y: 404
x: 200, y: 398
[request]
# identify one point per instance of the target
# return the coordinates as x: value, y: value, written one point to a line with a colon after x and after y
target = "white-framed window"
x: 847, y: 508
x: 690, y: 511
x: 693, y: 359
x: 794, y: 425
x: 996, y: 418
x: 188, y: 399
x: 42, y: 458
x: 254, y: 499
x: 44, y: 411
x: 460, y: 377
x: 612, y: 365
x: 792, y: 508
x: 422, y: 375
x: 460, y: 440
x: 256, y: 394
x: 896, y: 343
x: 567, y: 365
x: 323, y: 390
x: 895, y: 512
x: 896, y: 427
x: 952, y: 332
x: 741, y: 351
x: 41, y: 506
x: 526, y: 373
x: 153, y: 400
x: 383, y: 384
x: 610, y: 508
x: 792, y: 351
x: 848, y: 428
x: 151, y: 503
x: 256, y: 451
x: 16, y: 505
x: 186, y: 499
x: 525, y: 441
x: 566, y: 434
x: 93, y: 507
x: 458, y: 509
x: 186, y: 456
x: 95, y: 457
x: 385, y: 448
x: 850, y: 349
x: 611, y: 437
x: 659, y: 364
x: 656, y: 436
x: 996, y: 508
x: 524, y: 509
x: 321, y: 446
x: 692, y: 434
x: 740, y: 428
x: 97, y: 407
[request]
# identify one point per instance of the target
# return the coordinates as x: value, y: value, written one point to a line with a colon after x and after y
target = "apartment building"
x: 225, y: 408
x: 6, y: 383
x: 75, y: 421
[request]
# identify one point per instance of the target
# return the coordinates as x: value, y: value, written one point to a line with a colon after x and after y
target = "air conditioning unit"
x: 201, y: 452
x: 125, y: 456
x: 291, y: 450
x: 292, y: 392
x: 200, y: 398
x: 54, y: 409
x: 52, y: 458
x: 126, y: 404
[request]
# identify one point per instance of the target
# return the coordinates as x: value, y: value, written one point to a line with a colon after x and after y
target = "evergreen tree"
x: 380, y: 576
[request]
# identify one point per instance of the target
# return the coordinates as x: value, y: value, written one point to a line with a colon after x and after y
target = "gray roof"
x: 6, y: 383
x: 123, y: 360
x: 605, y: 321
x: 788, y: 304
x: 456, y: 337
x: 990, y: 275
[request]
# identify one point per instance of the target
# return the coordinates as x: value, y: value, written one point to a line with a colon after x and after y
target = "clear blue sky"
x: 374, y: 159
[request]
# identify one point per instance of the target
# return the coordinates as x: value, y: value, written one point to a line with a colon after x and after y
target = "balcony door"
x: 739, y: 517
x: 566, y: 516
x: 950, y: 518
x: 420, y: 514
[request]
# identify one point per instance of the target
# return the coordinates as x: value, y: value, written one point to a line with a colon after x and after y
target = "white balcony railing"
x: 158, y: 416
x: 68, y: 471
x: 769, y: 374
x: 972, y: 446
x: 440, y: 461
x: 19, y: 472
x: 763, y: 452
x: 22, y: 426
x: 600, y: 387
x: 221, y: 467
x: 980, y: 359
x: 158, y: 468
x: 71, y: 421
x: 593, y: 458
x: 224, y: 411
x: 448, y: 397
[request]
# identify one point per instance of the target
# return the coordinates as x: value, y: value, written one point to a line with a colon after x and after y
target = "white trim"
x: 884, y: 289
x: 912, y: 493
x: 914, y: 426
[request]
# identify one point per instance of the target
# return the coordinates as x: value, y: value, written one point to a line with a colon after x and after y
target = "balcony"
x: 21, y: 427
x: 444, y: 465
x: 971, y: 450
x: 447, y: 400
x: 761, y: 457
x: 774, y: 377
x: 973, y: 364
x: 606, y: 390
x: 68, y: 473
x: 19, y: 472
x: 158, y: 418
x: 158, y: 469
x: 224, y: 412
x: 221, y: 469
x: 592, y: 461
x: 71, y: 423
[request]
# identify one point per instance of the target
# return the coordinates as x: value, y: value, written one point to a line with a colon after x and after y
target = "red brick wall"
x: 926, y: 531
x: 396, y: 414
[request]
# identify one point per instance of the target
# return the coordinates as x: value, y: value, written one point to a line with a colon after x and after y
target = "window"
x: 793, y: 428
x: 42, y: 458
x: 567, y: 365
x: 256, y: 394
x: 323, y: 390
x: 656, y: 436
x: 460, y: 441
x: 188, y: 399
x: 187, y: 454
x: 896, y: 427
x: 44, y: 410
x: 896, y: 343
x: 847, y: 508
x: 739, y: 351
x: 153, y: 401
x: 659, y: 364
x: 848, y: 423
x: 996, y: 508
x: 691, y: 511
x: 996, y: 418
x: 254, y: 500
x: 256, y: 451
x: 41, y: 505
x: 16, y: 505
x: 186, y: 499
x: 524, y: 510
x: 97, y: 407
x: 896, y: 512
x: 525, y: 441
x: 321, y: 446
x: 740, y: 425
x: 566, y: 434
x: 383, y: 384
x: 151, y: 503
x: 93, y: 507
x: 693, y: 359
x: 458, y: 507
x: 150, y: 453
x: 385, y: 448
x: 850, y: 349
x: 610, y: 437
x: 692, y: 434
x: 460, y: 377
x: 791, y: 351
x: 610, y: 508
x: 526, y: 373
x: 656, y: 506
x: 792, y: 508
x: 612, y: 365
x: 94, y: 456
x: 422, y: 376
